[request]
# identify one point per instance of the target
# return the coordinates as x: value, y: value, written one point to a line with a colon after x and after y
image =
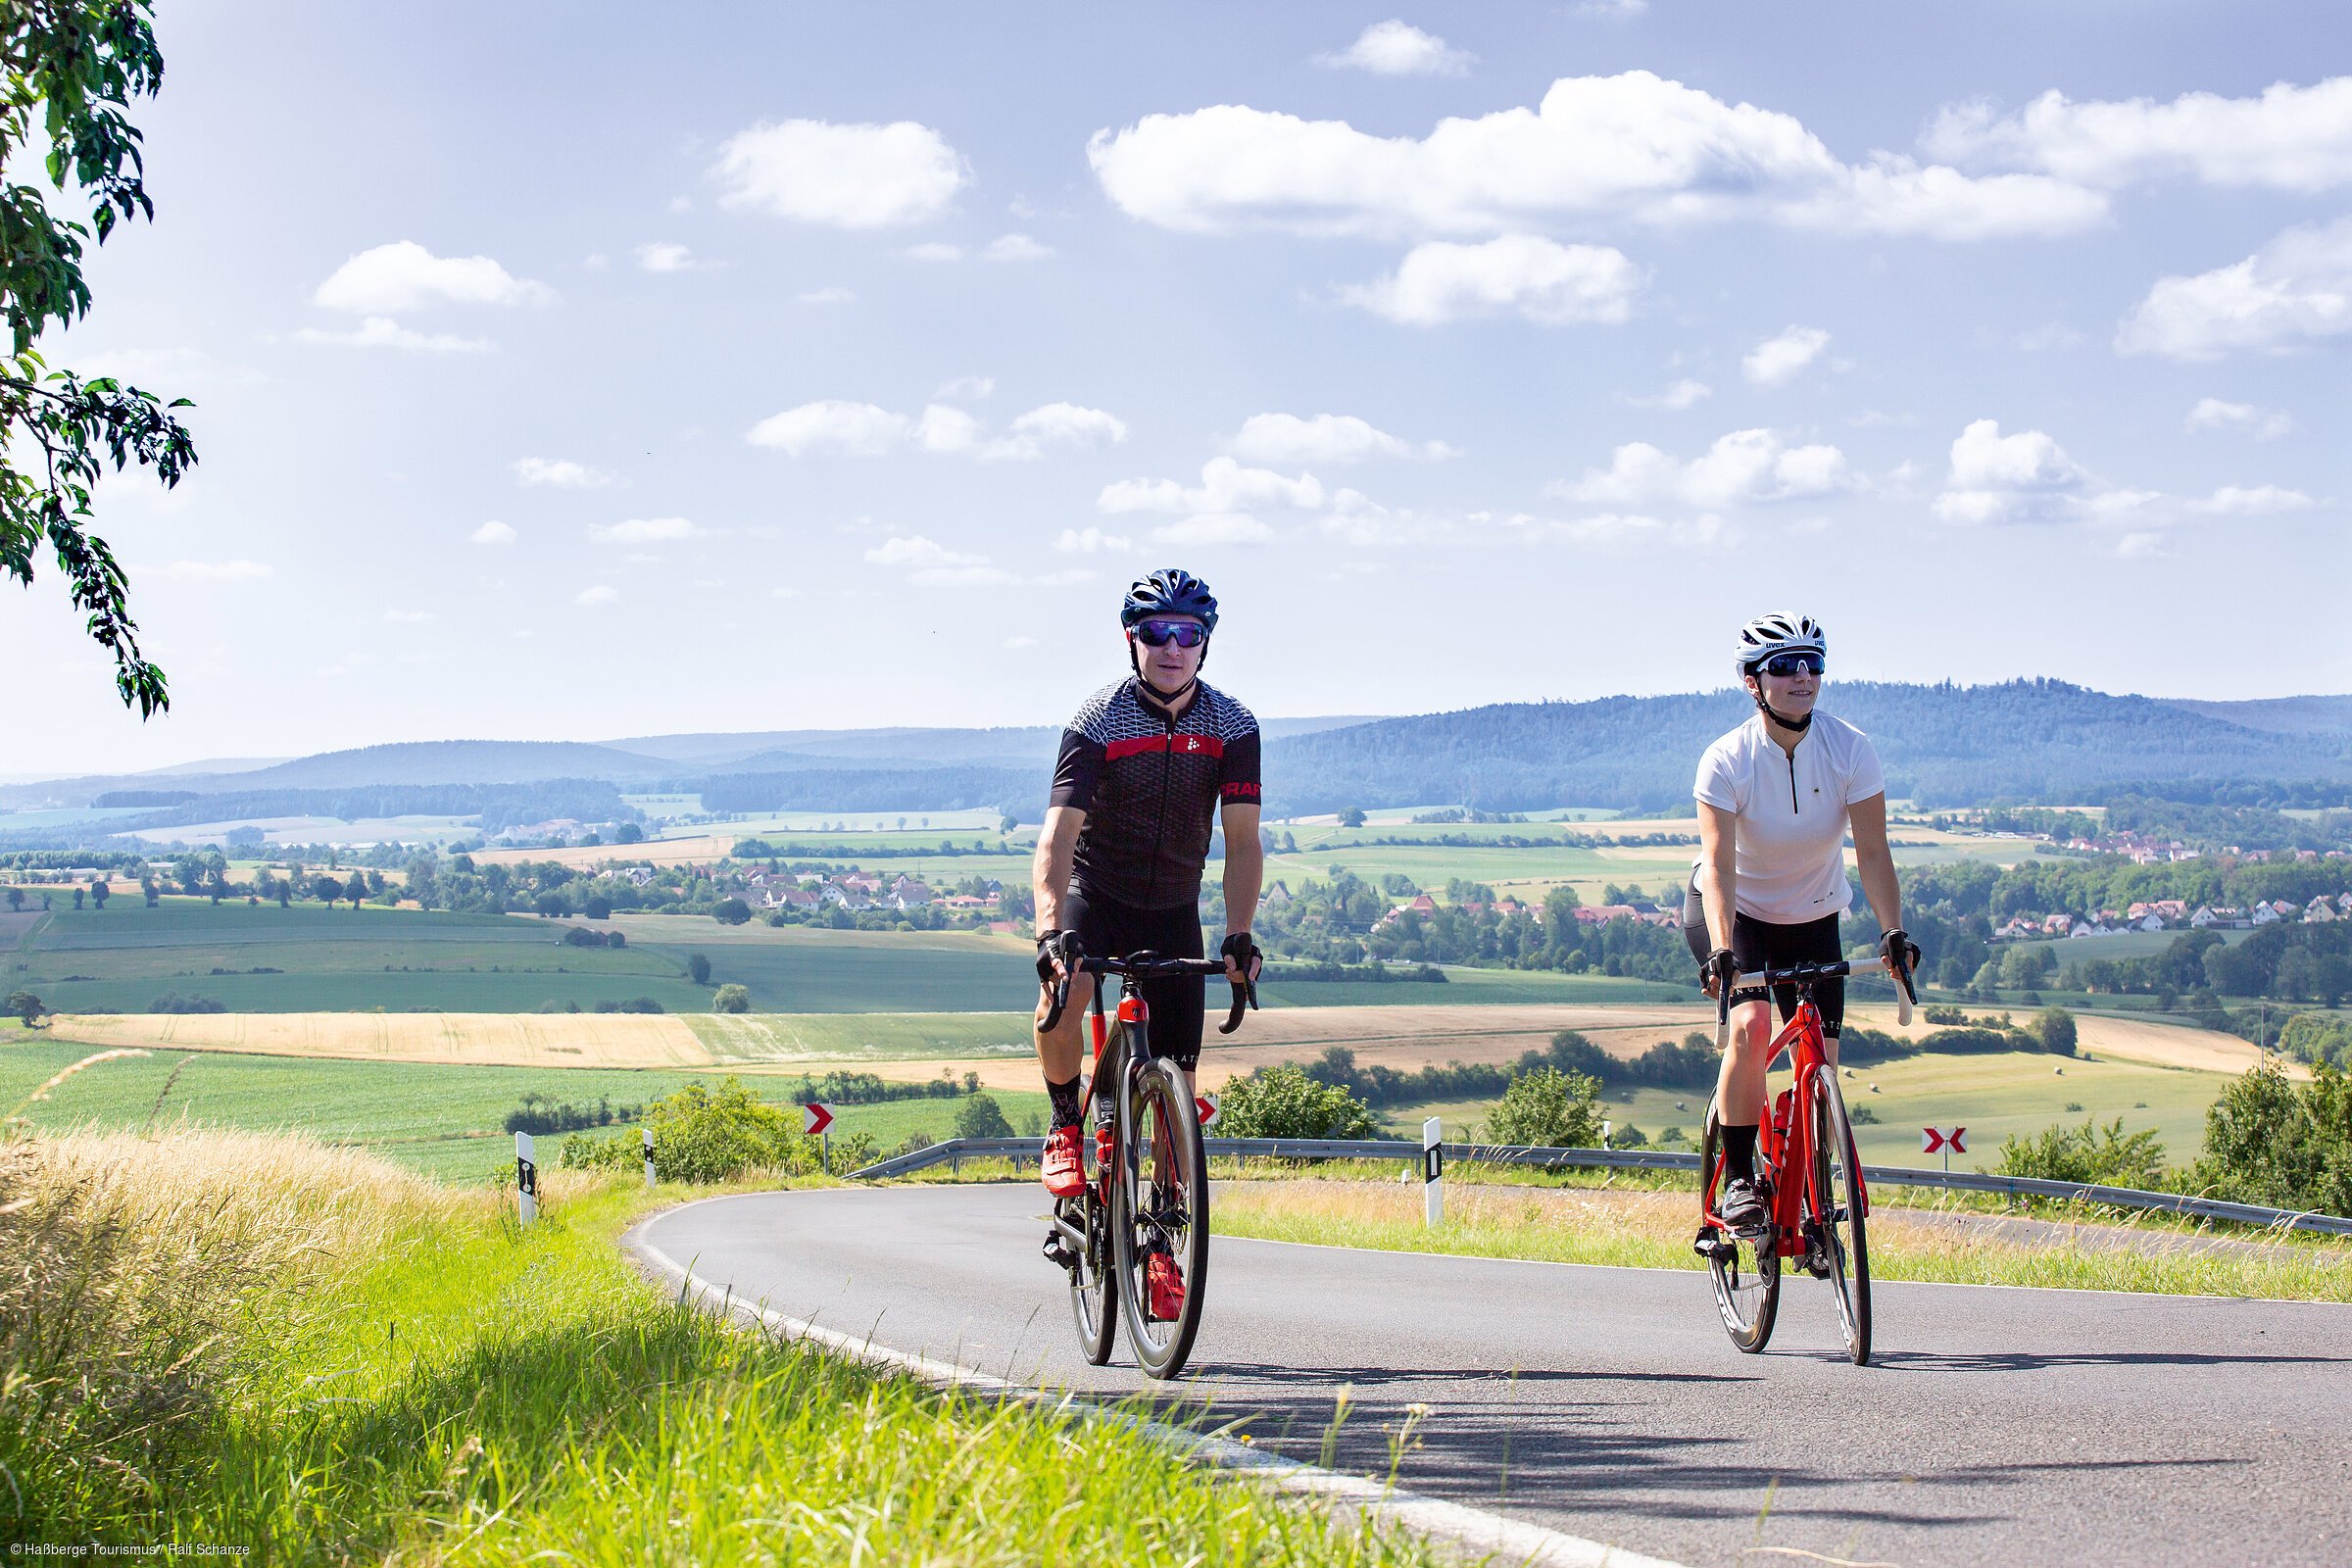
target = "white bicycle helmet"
x: 1778, y: 633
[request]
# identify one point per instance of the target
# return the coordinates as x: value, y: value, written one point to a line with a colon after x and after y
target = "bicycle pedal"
x: 1058, y: 1252
x: 1711, y: 1246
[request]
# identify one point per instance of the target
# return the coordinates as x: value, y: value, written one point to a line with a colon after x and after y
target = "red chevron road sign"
x: 817, y: 1118
x: 1953, y: 1139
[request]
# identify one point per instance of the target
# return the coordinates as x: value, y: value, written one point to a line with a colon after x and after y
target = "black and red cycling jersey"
x: 1149, y: 786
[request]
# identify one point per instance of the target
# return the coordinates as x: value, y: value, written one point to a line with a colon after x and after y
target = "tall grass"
x: 308, y: 1353
x: 1653, y: 1229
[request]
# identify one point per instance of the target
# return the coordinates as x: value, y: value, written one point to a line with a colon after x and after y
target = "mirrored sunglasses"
x: 1784, y: 666
x: 1159, y: 633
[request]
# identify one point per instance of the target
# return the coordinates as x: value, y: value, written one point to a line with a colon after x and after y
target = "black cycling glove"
x: 1722, y: 967
x: 1053, y: 945
x: 1243, y: 951
x: 1898, y: 946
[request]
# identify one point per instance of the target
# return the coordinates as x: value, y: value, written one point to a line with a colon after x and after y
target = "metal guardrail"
x: 957, y: 1150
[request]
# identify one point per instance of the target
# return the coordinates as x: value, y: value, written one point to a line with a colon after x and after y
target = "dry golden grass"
x: 473, y: 1039
x: 704, y: 851
x: 2163, y: 1045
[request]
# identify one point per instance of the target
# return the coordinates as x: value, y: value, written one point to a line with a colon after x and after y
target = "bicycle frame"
x: 1785, y: 1140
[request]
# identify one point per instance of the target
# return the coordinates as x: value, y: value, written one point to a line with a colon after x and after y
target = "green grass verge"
x: 472, y: 1394
x: 439, y: 1121
x: 1641, y: 1226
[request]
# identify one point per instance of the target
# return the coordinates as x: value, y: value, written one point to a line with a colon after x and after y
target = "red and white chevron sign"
x: 1206, y: 1105
x: 1953, y: 1139
x: 815, y: 1118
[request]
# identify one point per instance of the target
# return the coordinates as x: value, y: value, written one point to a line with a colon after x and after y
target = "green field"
x: 1991, y: 1096
x: 442, y: 1121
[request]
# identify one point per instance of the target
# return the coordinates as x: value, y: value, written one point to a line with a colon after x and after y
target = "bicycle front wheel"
x: 1836, y: 1204
x: 1160, y: 1217
x: 1746, y: 1270
x: 1093, y: 1299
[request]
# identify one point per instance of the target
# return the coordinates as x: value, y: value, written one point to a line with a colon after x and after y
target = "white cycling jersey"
x: 1791, y: 809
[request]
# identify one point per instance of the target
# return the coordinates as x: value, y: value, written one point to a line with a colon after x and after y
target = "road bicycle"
x: 1147, y: 1188
x: 1809, y: 1171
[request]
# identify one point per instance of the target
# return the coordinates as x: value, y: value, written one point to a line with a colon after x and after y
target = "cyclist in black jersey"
x: 1146, y: 766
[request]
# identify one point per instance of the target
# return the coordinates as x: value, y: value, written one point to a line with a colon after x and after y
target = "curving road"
x: 1996, y: 1426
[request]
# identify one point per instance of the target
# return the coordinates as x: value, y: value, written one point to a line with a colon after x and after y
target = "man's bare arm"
x: 1049, y: 867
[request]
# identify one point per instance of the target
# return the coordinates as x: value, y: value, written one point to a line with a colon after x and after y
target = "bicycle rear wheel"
x: 1159, y: 1204
x: 1746, y: 1270
x: 1836, y: 1205
x: 1093, y: 1299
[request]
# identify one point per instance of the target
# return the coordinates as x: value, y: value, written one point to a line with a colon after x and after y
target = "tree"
x: 355, y: 889
x: 2056, y: 1027
x: 628, y: 833
x: 27, y: 1006
x: 730, y: 911
x: 79, y: 63
x: 731, y: 998
x: 598, y: 908
x: 1548, y: 1108
x: 77, y: 898
x: 982, y: 1117
x: 1354, y: 816
x: 327, y: 889
x: 1283, y: 1102
x: 99, y: 891
x: 699, y: 969
x: 16, y: 899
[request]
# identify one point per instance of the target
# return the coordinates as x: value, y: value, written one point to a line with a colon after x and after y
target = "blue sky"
x: 559, y: 378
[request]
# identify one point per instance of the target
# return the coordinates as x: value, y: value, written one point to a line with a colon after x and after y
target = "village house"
x: 782, y: 895
x: 2318, y: 911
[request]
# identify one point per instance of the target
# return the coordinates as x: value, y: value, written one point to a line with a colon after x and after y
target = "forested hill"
x: 1942, y: 745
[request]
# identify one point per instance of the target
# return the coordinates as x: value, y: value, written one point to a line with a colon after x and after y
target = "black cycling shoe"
x: 1741, y: 1204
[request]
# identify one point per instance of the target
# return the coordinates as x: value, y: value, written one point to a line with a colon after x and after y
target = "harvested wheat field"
x: 2163, y: 1045
x: 474, y: 1038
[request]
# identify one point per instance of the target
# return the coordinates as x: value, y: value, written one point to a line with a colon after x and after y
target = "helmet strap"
x: 1798, y: 725
x: 1166, y: 699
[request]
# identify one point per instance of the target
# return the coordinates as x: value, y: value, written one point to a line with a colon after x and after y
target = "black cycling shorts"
x: 1109, y: 930
x: 1759, y: 944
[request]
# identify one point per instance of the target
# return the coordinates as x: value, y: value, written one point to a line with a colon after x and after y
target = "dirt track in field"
x: 471, y: 1038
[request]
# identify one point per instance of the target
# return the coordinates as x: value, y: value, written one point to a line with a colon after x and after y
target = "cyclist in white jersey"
x: 1777, y: 798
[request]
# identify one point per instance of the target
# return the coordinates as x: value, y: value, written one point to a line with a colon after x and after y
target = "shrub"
x: 698, y: 968
x: 1547, y: 1109
x: 732, y: 998
x: 981, y: 1118
x: 2055, y: 1028
x: 1283, y: 1102
x: 730, y: 911
x: 26, y: 1006
x: 2106, y: 1156
x: 174, y: 1002
x: 2287, y: 1145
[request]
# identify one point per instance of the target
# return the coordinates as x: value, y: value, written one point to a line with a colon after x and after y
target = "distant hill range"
x: 2022, y: 741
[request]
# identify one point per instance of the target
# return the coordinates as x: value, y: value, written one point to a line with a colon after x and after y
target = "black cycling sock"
x: 1067, y: 1114
x: 1739, y: 1149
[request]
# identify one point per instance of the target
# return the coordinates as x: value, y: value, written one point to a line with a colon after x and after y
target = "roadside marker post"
x: 526, y: 1179
x: 815, y: 1120
x: 1949, y: 1140
x: 649, y: 1158
x: 1433, y: 1172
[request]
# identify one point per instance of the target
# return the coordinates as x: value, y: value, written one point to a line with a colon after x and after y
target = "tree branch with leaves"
x: 71, y: 69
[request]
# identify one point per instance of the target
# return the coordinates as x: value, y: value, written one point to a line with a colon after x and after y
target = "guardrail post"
x: 526, y: 1179
x: 649, y: 1158
x: 1433, y: 1172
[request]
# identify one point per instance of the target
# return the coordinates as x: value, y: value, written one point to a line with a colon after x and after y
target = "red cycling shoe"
x: 1164, y: 1283
x: 1060, y: 1169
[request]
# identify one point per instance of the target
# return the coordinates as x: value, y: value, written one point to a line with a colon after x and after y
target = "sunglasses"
x: 1159, y: 633
x: 1784, y: 666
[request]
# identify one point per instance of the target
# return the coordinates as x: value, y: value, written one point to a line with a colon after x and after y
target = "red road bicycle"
x: 1147, y: 1188
x: 1816, y: 1206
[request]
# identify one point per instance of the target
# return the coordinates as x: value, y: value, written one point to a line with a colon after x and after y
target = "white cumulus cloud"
x: 1329, y: 438
x: 404, y: 276
x: 1631, y: 144
x: 1780, y: 357
x: 2252, y: 501
x: 919, y: 550
x: 1090, y: 541
x: 1741, y: 467
x: 597, y: 597
x: 1225, y: 487
x: 1996, y: 477
x: 832, y: 425
x: 1214, y: 528
x: 1014, y: 248
x: 2263, y: 424
x: 560, y: 473
x: 1684, y: 394
x: 843, y: 175
x: 493, y: 532
x: 2288, y: 139
x: 660, y: 256
x: 645, y: 531
x: 1542, y: 280
x: 1399, y: 49
x: 2297, y: 288
x: 383, y: 332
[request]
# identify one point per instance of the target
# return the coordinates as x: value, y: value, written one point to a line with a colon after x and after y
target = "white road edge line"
x: 1475, y: 1527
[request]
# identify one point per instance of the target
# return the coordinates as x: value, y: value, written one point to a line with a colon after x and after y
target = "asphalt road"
x: 1994, y: 1425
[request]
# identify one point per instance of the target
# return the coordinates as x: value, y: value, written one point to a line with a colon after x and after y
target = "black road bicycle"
x: 1147, y: 1188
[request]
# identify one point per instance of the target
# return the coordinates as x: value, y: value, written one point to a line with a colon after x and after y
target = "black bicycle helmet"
x: 1169, y: 590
